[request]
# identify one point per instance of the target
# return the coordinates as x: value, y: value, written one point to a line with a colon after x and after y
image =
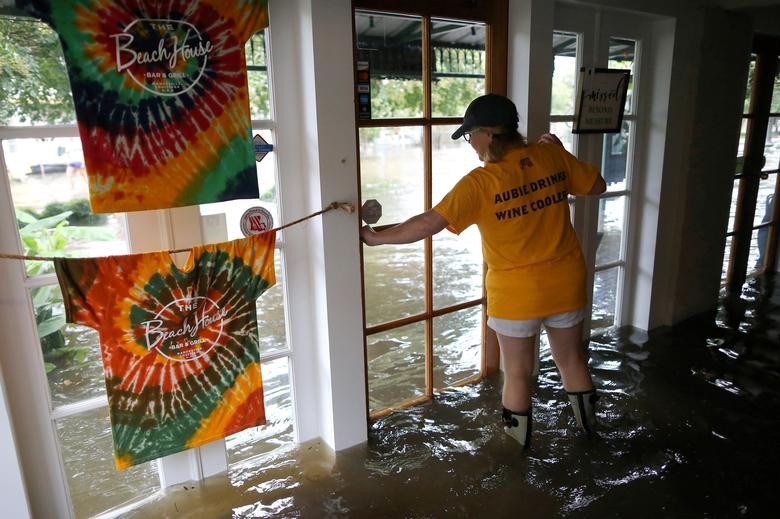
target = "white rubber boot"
x: 518, y: 426
x: 583, y: 403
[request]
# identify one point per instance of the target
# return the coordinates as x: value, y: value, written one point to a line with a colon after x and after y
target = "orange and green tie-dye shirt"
x: 179, y: 345
x: 161, y: 97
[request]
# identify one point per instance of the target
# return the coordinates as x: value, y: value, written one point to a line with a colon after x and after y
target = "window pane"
x: 749, y: 87
x: 452, y: 160
x: 726, y: 261
x: 564, y: 80
x: 765, y: 200
x: 733, y: 206
x: 230, y: 228
x: 457, y: 346
x: 270, y: 316
x: 741, y: 147
x: 457, y: 260
x: 772, y: 144
x: 244, y: 447
x: 51, y: 199
x: 457, y: 66
x: 71, y: 353
x: 257, y: 77
x: 391, y: 171
x: 604, y: 292
x: 35, y: 87
x: 622, y: 55
x: 615, y: 154
x: 756, y: 254
x: 392, y: 47
x: 394, y: 284
x: 396, y: 366
x: 457, y: 267
x: 563, y: 131
x: 87, y: 452
x: 222, y: 222
x: 775, y: 107
x: 609, y: 232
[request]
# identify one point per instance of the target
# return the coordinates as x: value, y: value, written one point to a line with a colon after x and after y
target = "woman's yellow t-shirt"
x: 520, y: 204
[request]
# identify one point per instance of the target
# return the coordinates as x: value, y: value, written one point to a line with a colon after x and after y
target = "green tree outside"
x: 34, y: 85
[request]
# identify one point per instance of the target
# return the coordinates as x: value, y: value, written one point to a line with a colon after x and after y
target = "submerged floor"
x: 690, y: 428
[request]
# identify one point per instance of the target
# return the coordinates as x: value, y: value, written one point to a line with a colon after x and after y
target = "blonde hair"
x: 504, y: 139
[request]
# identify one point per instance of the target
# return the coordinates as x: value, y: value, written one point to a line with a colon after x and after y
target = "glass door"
x: 599, y: 39
x: 614, y: 205
x: 423, y: 302
x: 751, y: 240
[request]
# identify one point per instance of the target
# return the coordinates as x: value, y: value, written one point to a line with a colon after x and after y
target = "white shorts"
x: 531, y: 327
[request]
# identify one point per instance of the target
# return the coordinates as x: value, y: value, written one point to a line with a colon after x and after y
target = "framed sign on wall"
x: 601, y: 101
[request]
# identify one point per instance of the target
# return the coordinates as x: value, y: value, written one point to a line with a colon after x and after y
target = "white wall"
x: 708, y: 81
x: 13, y: 495
x: 530, y: 62
x: 317, y: 153
x: 26, y: 387
x: 647, y: 186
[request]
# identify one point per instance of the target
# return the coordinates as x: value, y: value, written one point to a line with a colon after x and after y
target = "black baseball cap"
x: 487, y: 111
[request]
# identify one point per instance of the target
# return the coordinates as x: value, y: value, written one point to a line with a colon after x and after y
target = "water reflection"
x: 87, y: 454
x: 396, y: 366
x: 687, y: 430
x: 244, y: 447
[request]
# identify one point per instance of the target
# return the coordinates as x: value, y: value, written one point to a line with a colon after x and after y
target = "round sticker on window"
x: 256, y: 220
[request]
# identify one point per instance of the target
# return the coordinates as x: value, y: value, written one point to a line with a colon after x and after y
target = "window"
x: 603, y: 230
x: 423, y: 301
x: 612, y: 223
x: 40, y: 155
x: 222, y: 221
x: 750, y: 248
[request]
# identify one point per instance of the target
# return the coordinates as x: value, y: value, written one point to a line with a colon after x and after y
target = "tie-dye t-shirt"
x: 179, y: 345
x: 161, y: 97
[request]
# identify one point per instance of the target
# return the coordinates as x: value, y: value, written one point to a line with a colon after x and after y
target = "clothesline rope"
x: 345, y: 206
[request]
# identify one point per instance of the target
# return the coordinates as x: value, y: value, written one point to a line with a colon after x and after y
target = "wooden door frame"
x: 494, y: 14
x: 767, y: 51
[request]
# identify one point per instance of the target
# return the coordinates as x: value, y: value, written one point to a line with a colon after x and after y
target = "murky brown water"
x: 690, y: 428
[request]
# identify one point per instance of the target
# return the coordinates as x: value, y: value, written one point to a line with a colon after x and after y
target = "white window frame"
x: 146, y: 231
x: 316, y: 150
x: 594, y: 29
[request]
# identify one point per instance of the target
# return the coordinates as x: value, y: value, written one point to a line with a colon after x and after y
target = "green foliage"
x: 49, y: 236
x: 34, y: 86
x: 562, y: 102
x: 450, y: 96
x: 269, y: 195
x: 81, y: 212
x: 397, y: 98
x: 259, y: 106
x: 259, y: 102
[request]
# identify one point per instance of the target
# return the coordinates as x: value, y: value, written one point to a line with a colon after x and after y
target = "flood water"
x: 690, y: 427
x: 689, y: 423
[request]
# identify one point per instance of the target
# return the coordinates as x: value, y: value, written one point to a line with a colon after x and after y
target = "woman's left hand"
x: 368, y: 236
x: 549, y: 138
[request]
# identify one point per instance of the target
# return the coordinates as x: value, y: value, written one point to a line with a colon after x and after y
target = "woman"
x: 536, y: 272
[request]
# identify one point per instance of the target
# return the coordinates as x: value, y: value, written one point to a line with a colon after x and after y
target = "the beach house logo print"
x: 165, y: 57
x: 185, y: 329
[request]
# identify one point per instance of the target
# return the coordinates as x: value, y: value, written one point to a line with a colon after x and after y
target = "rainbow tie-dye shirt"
x: 179, y: 345
x: 161, y: 97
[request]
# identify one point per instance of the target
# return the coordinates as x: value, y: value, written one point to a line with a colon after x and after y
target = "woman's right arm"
x: 414, y: 229
x: 599, y: 186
